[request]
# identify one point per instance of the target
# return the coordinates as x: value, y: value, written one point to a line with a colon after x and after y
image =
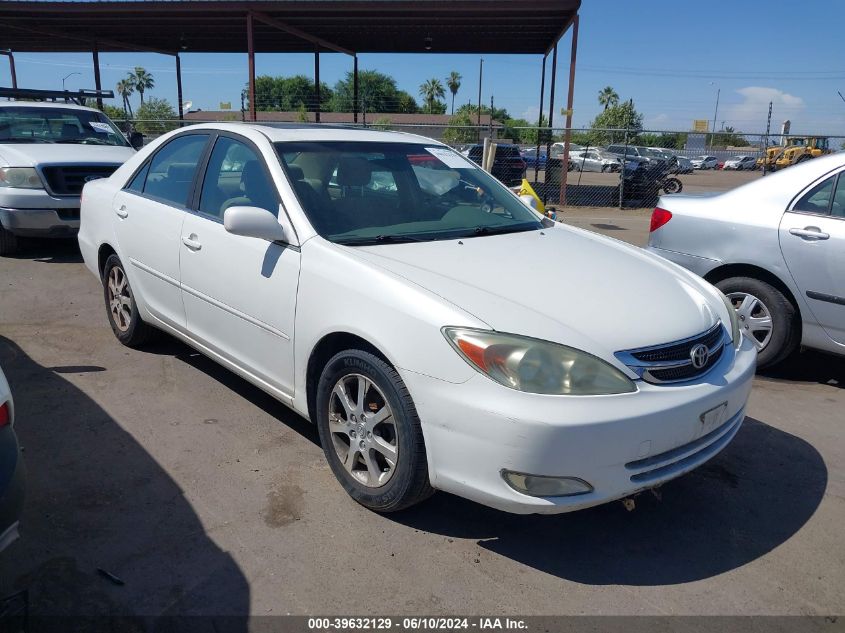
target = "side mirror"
x: 136, y: 140
x: 253, y: 222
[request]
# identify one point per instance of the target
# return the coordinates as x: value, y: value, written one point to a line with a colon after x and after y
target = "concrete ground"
x: 203, y: 495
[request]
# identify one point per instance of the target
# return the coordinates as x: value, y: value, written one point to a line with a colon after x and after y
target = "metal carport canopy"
x: 359, y: 26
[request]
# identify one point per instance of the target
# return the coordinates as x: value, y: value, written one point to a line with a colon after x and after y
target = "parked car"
x: 775, y: 247
x: 704, y: 162
x: 740, y: 163
x: 595, y: 160
x: 11, y: 469
x: 556, y: 150
x: 410, y: 325
x: 48, y: 151
x: 682, y: 163
x: 532, y: 159
x: 508, y: 165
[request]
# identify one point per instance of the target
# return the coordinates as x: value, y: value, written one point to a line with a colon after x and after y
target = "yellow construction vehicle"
x: 804, y: 148
x: 769, y: 159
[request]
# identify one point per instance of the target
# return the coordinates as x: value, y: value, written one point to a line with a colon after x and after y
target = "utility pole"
x: 766, y: 144
x: 480, y: 74
x: 715, y: 114
x: 491, y: 116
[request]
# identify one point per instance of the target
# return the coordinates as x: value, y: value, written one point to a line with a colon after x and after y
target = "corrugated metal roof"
x: 391, y: 26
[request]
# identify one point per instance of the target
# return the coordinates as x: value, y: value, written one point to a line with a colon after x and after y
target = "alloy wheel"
x: 754, y: 318
x: 120, y: 298
x: 363, y: 430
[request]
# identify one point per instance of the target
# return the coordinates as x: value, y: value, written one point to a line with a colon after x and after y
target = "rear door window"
x: 817, y: 199
x: 172, y: 170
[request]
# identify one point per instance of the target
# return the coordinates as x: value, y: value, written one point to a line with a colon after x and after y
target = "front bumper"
x: 619, y: 444
x: 41, y: 222
x: 37, y: 213
x: 12, y: 484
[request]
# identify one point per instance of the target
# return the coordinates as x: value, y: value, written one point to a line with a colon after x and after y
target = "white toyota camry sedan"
x: 388, y: 289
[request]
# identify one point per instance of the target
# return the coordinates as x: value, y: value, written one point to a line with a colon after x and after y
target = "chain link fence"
x: 606, y: 167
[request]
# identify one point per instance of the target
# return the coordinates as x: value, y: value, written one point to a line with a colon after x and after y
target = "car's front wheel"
x: 122, y: 309
x: 370, y: 432
x: 766, y: 316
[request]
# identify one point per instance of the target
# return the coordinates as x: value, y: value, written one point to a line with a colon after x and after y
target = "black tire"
x: 672, y: 185
x: 786, y: 324
x: 133, y: 332
x: 408, y: 484
x: 8, y: 242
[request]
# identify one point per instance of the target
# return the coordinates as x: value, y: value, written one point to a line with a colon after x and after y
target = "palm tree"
x: 125, y: 88
x: 431, y: 91
x: 142, y: 80
x: 608, y: 97
x: 453, y: 81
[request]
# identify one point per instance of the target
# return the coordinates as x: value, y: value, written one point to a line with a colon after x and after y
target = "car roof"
x: 45, y: 104
x: 282, y: 132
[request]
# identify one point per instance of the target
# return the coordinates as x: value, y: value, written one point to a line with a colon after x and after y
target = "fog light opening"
x: 544, y: 486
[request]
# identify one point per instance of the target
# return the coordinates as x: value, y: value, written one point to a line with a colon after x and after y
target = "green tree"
x: 453, y: 81
x: 499, y: 114
x: 462, y: 129
x: 610, y: 125
x: 142, y: 80
x: 114, y: 113
x: 728, y: 137
x: 382, y: 123
x: 125, y: 88
x: 608, y: 97
x: 288, y: 94
x: 377, y: 92
x: 156, y: 116
x: 431, y: 92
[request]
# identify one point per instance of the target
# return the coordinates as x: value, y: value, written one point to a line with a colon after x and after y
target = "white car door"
x: 812, y: 239
x: 239, y: 292
x: 149, y: 213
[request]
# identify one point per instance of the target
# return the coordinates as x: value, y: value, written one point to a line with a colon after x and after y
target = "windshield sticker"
x: 103, y: 128
x: 449, y: 158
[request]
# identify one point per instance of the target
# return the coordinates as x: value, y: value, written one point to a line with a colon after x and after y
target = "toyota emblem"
x: 699, y: 355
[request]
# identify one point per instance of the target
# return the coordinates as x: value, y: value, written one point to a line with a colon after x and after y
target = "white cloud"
x: 750, y: 115
x: 532, y: 114
x: 657, y: 122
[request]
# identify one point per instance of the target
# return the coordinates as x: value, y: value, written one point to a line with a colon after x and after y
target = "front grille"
x: 673, y: 362
x: 68, y: 180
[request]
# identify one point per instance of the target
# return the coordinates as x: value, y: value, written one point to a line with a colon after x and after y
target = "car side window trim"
x: 202, y: 172
x: 828, y: 214
x: 141, y: 194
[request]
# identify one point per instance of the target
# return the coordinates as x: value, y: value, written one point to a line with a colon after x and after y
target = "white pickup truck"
x: 48, y: 151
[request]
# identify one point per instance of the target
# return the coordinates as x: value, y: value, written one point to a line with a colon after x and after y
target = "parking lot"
x: 204, y: 495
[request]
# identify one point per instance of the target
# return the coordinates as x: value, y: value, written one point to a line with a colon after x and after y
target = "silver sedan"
x: 775, y: 247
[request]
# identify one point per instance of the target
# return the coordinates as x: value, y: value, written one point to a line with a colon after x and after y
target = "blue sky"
x: 671, y: 57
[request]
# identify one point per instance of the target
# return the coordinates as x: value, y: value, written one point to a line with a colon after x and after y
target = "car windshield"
x: 368, y: 193
x: 57, y: 125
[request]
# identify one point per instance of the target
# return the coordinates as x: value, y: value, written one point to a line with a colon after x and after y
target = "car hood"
x: 32, y: 154
x: 562, y: 284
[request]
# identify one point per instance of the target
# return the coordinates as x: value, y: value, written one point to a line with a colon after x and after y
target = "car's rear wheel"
x: 122, y: 310
x: 8, y: 242
x: 766, y: 317
x: 370, y: 432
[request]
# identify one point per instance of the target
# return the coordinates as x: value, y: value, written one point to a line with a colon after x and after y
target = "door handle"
x: 809, y: 233
x: 191, y: 242
x: 122, y: 212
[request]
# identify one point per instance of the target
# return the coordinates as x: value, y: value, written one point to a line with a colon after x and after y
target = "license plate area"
x: 712, y: 418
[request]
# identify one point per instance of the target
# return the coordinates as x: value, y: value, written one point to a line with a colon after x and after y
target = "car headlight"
x: 20, y: 178
x: 536, y: 366
x: 736, y: 331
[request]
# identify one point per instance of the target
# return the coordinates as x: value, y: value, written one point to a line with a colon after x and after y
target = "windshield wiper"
x: 493, y: 230
x: 381, y: 239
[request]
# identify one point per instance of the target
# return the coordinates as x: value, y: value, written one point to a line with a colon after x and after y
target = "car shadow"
x: 169, y: 346
x: 809, y: 366
x: 105, y: 530
x: 747, y: 501
x: 50, y: 251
